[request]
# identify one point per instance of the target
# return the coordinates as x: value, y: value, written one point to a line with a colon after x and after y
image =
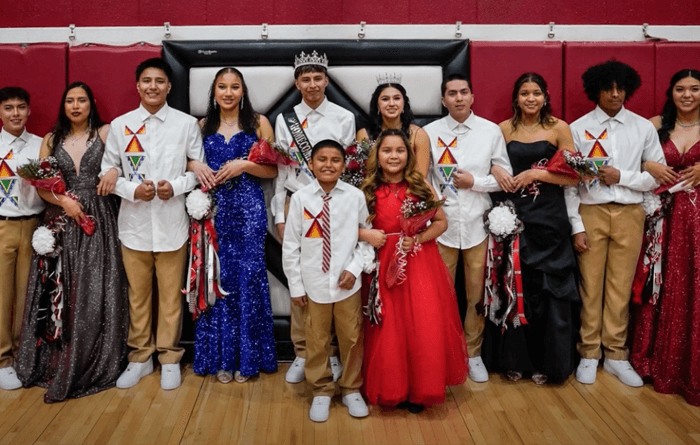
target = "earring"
x: 544, y: 104
x: 240, y: 104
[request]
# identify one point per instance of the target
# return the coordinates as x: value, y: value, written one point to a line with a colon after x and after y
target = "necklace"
x: 529, y: 129
x: 687, y: 125
x: 74, y: 139
x: 230, y: 123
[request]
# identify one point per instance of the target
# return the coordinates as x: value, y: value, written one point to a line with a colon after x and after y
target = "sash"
x: 298, y: 134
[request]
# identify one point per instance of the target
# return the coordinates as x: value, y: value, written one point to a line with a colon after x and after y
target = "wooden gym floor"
x: 269, y: 410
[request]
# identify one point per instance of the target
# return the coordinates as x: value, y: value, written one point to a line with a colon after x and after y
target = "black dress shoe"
x: 415, y: 408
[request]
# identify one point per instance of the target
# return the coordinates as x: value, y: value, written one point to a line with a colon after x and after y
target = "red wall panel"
x: 219, y: 12
x: 671, y: 58
x: 579, y: 56
x: 110, y: 72
x: 41, y: 70
x: 495, y: 66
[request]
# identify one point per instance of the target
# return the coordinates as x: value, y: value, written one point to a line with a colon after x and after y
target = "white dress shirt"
x: 302, y: 249
x: 154, y: 147
x: 327, y: 121
x: 17, y: 196
x: 629, y: 140
x: 473, y: 146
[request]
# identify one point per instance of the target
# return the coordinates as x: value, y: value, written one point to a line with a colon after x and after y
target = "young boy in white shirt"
x: 20, y: 205
x: 323, y: 258
x: 314, y: 119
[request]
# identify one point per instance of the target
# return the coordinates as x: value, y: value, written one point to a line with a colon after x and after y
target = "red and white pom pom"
x: 198, y: 204
x: 43, y: 241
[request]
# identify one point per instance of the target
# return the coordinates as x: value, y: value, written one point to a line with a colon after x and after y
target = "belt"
x: 17, y: 218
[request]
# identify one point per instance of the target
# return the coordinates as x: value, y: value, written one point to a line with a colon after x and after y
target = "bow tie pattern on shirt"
x: 315, y: 231
x: 135, y: 154
x: 8, y: 182
x: 597, y: 151
x: 447, y: 165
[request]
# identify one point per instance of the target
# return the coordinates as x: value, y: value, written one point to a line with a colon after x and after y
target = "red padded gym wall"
x: 40, y: 13
x: 41, y: 70
x: 110, y: 72
x: 579, y: 56
x: 495, y: 66
x: 670, y: 58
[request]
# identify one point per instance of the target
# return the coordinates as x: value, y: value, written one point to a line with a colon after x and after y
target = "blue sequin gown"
x: 236, y: 334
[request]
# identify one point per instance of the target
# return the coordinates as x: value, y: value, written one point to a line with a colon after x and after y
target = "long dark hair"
x: 669, y: 112
x: 545, y: 117
x: 374, y: 125
x: 373, y: 178
x: 247, y: 117
x: 63, y: 125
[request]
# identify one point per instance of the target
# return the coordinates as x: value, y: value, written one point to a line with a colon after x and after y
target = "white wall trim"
x: 117, y: 35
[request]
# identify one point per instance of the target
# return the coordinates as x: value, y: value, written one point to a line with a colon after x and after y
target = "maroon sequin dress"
x: 419, y: 348
x: 666, y: 342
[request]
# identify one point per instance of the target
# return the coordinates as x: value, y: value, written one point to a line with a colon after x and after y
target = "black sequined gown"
x: 552, y: 304
x: 92, y: 352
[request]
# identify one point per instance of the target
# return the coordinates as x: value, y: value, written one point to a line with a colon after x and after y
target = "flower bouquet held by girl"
x: 44, y: 174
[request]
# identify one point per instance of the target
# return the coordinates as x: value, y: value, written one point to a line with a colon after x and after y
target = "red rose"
x: 45, y: 165
x: 351, y: 150
x: 354, y: 165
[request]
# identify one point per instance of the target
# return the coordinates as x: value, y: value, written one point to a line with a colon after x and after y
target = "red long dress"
x: 666, y: 342
x: 419, y: 348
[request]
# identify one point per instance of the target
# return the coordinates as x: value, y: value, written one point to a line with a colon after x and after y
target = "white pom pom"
x: 43, y: 241
x: 651, y: 203
x: 198, y: 204
x: 502, y: 221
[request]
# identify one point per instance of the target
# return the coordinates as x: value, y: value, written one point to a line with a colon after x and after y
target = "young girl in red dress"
x: 418, y: 347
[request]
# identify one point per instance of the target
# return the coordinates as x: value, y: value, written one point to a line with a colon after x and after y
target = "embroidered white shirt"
x: 17, y: 196
x: 154, y: 147
x: 302, y: 249
x: 628, y: 139
x: 473, y: 146
x: 327, y: 121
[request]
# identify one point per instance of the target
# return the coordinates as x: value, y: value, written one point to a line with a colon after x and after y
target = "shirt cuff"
x: 296, y: 291
x: 625, y: 178
x: 577, y: 227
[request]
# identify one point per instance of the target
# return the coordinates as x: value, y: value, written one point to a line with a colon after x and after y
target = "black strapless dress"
x: 547, y: 344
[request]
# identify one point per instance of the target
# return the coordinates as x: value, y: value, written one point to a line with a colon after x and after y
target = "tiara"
x: 310, y: 59
x: 388, y: 78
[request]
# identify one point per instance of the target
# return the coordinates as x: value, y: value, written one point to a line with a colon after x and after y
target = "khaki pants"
x: 615, y: 233
x: 169, y: 269
x: 347, y: 316
x: 15, y: 260
x: 474, y: 269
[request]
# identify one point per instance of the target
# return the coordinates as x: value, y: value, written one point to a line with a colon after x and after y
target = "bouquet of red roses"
x: 264, y: 153
x: 414, y: 216
x: 44, y: 174
x: 356, y: 162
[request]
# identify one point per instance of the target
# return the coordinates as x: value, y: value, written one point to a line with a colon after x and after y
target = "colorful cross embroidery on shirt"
x: 8, y: 181
x: 305, y: 124
x: 135, y: 154
x: 447, y: 165
x: 597, y: 151
x: 315, y: 231
x: 299, y: 157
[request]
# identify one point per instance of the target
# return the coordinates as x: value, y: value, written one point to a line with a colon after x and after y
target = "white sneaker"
x: 477, y: 370
x: 319, y: 408
x: 8, y: 379
x: 356, y: 405
x: 622, y: 369
x: 170, y: 376
x: 134, y: 372
x: 295, y: 373
x: 586, y: 371
x: 336, y: 367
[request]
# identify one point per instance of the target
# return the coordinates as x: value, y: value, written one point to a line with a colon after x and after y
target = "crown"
x: 388, y: 78
x: 310, y: 59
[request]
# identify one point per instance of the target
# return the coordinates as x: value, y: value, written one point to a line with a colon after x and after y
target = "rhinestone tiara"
x: 310, y: 59
x: 388, y: 78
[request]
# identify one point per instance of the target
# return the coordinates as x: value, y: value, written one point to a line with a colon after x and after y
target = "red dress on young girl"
x: 666, y: 338
x: 419, y: 348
